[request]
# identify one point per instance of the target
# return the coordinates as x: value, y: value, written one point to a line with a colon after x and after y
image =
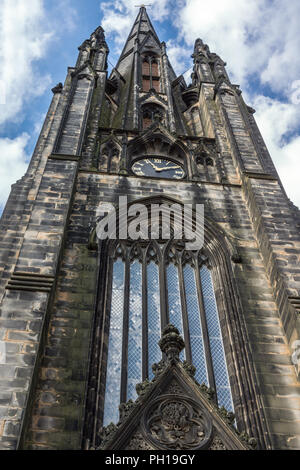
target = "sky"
x: 259, y: 40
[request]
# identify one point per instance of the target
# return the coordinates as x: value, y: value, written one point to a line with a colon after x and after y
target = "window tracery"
x: 206, y: 166
x: 155, y: 283
x: 109, y: 158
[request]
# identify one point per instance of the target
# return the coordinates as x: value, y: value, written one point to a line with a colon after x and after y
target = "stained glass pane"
x: 175, y: 311
x: 135, y: 331
x: 154, y: 324
x: 196, y: 336
x: 114, y: 360
x: 216, y: 342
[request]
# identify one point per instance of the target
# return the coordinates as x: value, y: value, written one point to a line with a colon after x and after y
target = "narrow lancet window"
x: 154, y: 320
x: 114, y: 360
x: 174, y: 299
x: 215, y: 341
x: 195, y: 328
x: 135, y: 330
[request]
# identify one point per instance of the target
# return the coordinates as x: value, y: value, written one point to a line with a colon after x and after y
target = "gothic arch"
x: 221, y: 253
x: 157, y: 143
x: 110, y: 154
x: 152, y: 112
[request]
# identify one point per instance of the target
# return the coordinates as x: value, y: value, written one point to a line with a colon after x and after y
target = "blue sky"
x: 259, y: 40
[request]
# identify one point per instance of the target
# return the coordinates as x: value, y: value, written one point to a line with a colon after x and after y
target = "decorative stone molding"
x: 173, y: 411
x: 58, y: 88
x: 176, y: 422
x: 30, y: 282
x: 171, y: 343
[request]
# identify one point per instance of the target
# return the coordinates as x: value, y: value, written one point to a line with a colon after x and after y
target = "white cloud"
x: 295, y: 92
x: 26, y: 31
x: 253, y: 36
x: 179, y: 57
x: 285, y: 151
x: 23, y: 40
x: 119, y: 16
x: 221, y: 24
x: 260, y: 41
x: 13, y: 164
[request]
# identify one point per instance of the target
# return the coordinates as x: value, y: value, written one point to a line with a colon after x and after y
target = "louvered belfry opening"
x: 151, y: 73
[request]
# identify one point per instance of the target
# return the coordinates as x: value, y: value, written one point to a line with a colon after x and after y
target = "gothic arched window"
x: 151, y: 113
x: 206, y: 167
x: 153, y: 284
x: 109, y: 158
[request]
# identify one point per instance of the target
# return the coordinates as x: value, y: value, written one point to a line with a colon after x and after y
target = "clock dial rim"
x: 160, y: 173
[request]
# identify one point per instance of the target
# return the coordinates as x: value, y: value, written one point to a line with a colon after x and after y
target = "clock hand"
x: 168, y: 168
x: 159, y: 169
x: 153, y: 166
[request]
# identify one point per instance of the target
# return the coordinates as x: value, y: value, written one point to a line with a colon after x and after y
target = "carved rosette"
x: 176, y: 422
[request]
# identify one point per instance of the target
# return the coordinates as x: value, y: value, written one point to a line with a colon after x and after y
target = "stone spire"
x: 141, y: 27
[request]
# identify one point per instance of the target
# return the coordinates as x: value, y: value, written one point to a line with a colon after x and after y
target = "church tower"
x: 88, y: 323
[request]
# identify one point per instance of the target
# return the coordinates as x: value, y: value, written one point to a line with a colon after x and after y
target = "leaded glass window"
x: 195, y: 327
x: 154, y: 284
x: 135, y: 329
x: 114, y: 360
x: 153, y: 316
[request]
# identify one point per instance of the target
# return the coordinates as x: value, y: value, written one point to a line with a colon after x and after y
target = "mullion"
x: 150, y: 67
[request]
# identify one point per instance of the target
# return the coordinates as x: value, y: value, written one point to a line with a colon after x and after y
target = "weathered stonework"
x: 49, y: 264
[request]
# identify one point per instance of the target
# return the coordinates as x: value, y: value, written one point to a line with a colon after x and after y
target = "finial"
x: 171, y: 343
x: 98, y: 38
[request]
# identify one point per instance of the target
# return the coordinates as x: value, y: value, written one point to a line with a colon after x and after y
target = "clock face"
x: 158, y: 168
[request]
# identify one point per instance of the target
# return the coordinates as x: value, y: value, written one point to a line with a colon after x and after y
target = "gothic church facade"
x: 81, y: 318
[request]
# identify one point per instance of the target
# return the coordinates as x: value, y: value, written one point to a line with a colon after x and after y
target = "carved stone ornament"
x: 58, y: 88
x: 171, y: 343
x: 169, y: 414
x: 217, y: 444
x: 176, y: 422
x: 137, y: 442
